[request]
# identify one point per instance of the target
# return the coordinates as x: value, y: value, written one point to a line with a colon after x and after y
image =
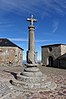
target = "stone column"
x: 31, y: 38
x: 31, y: 46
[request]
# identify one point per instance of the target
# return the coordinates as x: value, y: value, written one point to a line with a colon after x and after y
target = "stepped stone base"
x: 32, y: 78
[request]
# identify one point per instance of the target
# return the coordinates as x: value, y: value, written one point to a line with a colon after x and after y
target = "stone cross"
x: 31, y: 54
x: 31, y: 20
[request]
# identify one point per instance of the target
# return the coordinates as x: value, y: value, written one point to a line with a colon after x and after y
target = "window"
x: 50, y: 49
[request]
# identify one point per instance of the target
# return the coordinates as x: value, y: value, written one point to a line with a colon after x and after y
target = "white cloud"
x: 19, y: 39
x: 6, y: 24
x: 26, y: 40
x: 55, y: 25
x: 40, y: 41
x: 18, y: 6
x: 37, y: 6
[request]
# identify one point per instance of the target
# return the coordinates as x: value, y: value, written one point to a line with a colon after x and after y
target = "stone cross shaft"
x: 31, y: 50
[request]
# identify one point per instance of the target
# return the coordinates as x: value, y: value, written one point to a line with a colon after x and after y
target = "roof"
x: 63, y: 56
x: 4, y: 42
x: 53, y: 45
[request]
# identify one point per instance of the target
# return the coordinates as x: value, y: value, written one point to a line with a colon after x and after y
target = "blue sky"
x: 50, y: 27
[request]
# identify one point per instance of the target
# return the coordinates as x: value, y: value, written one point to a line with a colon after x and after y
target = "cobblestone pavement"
x: 56, y: 75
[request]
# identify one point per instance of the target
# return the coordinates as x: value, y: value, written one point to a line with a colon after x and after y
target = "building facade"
x: 10, y: 53
x: 54, y: 55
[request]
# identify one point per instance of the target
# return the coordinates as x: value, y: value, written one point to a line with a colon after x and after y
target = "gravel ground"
x: 55, y: 74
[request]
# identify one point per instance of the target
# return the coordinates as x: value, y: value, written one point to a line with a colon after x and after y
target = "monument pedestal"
x: 33, y: 79
x: 32, y: 57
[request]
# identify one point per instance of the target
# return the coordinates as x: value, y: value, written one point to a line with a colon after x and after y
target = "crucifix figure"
x: 31, y: 20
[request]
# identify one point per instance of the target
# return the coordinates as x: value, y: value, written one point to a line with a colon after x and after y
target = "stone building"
x: 54, y: 55
x: 10, y: 53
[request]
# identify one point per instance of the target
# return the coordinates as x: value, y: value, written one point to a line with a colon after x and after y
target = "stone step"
x: 31, y: 69
x: 33, y: 74
x: 31, y: 65
x: 31, y: 79
x: 39, y: 86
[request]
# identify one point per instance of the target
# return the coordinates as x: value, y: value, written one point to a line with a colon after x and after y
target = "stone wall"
x: 63, y: 49
x: 53, y: 51
x: 62, y: 63
x: 10, y: 56
x: 62, y: 59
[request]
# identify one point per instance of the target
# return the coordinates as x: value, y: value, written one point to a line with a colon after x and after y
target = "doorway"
x: 50, y: 61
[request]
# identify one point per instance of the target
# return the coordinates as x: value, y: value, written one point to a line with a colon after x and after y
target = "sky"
x: 50, y: 27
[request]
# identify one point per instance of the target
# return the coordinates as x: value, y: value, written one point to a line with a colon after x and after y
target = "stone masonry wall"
x: 10, y: 56
x: 55, y: 53
x: 63, y: 49
x: 62, y: 62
